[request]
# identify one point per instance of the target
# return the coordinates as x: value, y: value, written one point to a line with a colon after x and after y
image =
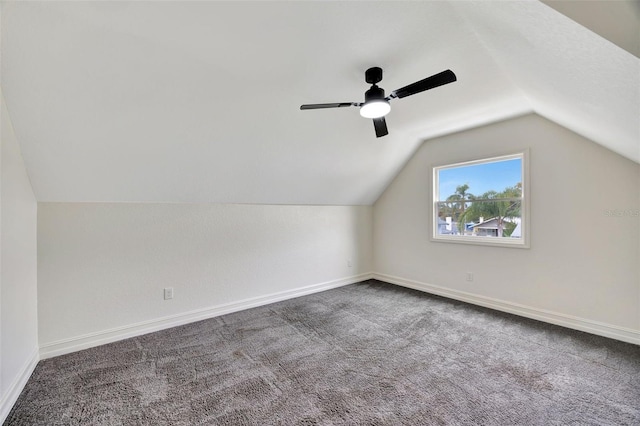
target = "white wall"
x: 582, y: 269
x: 18, y: 297
x: 102, y: 267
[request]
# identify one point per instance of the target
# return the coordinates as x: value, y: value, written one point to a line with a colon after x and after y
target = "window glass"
x: 481, y: 201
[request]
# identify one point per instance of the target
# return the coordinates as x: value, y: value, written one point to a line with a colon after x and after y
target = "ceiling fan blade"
x: 380, y: 124
x: 335, y: 105
x: 445, y: 77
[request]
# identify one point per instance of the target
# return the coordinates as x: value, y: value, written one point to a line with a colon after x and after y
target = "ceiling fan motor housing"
x: 373, y: 94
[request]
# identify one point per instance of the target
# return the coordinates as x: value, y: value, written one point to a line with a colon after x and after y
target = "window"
x: 482, y: 202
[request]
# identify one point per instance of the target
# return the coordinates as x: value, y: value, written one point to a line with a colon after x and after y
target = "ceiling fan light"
x: 375, y: 109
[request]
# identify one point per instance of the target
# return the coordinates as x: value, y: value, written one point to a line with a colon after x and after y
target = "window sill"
x: 483, y: 241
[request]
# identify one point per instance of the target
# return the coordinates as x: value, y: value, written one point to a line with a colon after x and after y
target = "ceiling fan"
x: 376, y: 105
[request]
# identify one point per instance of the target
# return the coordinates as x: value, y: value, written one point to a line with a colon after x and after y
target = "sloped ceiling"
x: 199, y: 101
x: 617, y: 21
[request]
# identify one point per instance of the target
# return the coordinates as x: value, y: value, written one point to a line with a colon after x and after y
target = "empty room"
x: 320, y: 213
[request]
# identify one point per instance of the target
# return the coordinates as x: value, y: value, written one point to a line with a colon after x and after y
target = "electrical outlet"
x: 349, y: 263
x: 469, y: 276
x: 168, y: 293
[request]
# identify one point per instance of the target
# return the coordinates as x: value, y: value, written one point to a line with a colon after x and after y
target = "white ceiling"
x: 199, y: 101
x: 617, y: 21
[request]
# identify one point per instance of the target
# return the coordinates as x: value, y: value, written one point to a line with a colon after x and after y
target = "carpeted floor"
x: 364, y: 354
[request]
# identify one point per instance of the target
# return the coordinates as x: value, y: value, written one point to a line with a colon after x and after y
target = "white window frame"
x: 525, y: 227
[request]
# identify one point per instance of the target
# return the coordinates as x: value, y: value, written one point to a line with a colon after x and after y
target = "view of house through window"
x: 480, y: 201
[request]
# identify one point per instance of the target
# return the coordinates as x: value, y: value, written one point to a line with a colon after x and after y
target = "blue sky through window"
x: 481, y: 178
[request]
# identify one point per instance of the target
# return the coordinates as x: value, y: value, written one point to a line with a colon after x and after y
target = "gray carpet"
x: 365, y: 354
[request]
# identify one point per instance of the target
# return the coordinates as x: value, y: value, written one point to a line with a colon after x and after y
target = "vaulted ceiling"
x: 199, y: 101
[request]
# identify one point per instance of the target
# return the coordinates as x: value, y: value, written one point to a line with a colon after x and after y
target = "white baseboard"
x: 86, y: 341
x: 589, y: 326
x: 73, y: 344
x: 13, y: 391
